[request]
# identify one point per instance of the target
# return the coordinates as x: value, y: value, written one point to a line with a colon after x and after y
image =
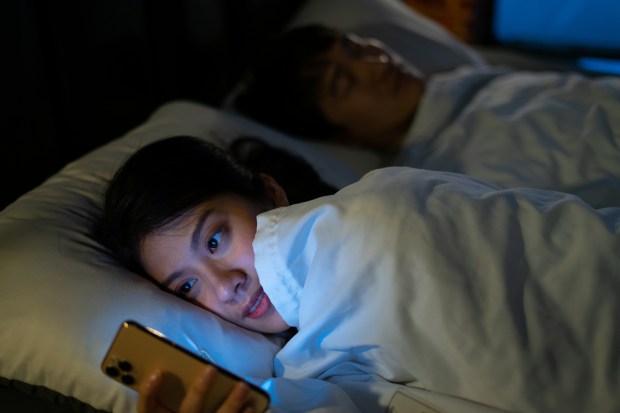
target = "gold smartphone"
x: 137, y: 350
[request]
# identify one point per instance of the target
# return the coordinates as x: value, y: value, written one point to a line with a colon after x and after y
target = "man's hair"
x: 293, y: 173
x: 283, y: 86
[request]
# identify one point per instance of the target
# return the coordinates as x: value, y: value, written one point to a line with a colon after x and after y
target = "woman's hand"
x: 195, y: 397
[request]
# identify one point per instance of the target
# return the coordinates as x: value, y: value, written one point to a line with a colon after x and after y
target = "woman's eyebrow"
x: 196, y: 237
x: 198, y: 229
x: 171, y: 279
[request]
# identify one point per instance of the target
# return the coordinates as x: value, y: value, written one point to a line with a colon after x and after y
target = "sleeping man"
x: 408, y: 279
x: 558, y: 131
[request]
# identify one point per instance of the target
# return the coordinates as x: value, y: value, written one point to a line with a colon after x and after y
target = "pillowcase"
x: 424, y: 43
x: 63, y: 297
x: 420, y: 40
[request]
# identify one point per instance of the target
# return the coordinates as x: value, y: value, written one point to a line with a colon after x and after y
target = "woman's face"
x: 369, y: 91
x: 206, y: 257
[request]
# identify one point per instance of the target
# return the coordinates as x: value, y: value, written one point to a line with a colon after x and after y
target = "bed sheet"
x: 63, y: 296
x: 549, y: 130
x: 61, y: 288
x: 507, y: 298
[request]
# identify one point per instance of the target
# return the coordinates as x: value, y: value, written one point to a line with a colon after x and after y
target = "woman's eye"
x: 186, y: 287
x: 214, y: 241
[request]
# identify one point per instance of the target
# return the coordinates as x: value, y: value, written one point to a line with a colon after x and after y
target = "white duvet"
x: 437, y: 281
x: 552, y: 130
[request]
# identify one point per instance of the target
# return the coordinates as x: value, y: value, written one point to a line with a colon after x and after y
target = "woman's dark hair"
x: 162, y: 181
x: 296, y: 176
x: 283, y: 85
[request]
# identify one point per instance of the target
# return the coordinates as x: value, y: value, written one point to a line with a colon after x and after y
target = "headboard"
x: 86, y: 72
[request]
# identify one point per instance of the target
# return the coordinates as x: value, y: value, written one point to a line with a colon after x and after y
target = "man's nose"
x: 380, y: 57
x: 369, y: 73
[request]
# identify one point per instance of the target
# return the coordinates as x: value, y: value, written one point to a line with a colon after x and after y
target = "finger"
x: 237, y: 400
x: 198, y: 391
x: 147, y: 402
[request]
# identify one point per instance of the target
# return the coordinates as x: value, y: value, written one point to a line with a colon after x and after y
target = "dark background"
x: 82, y: 72
x: 79, y: 73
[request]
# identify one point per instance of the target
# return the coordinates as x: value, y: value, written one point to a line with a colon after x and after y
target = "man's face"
x: 369, y: 91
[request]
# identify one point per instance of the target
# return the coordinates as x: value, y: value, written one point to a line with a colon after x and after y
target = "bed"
x: 63, y: 296
x: 547, y: 130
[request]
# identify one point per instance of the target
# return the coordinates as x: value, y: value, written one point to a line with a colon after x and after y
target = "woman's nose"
x: 227, y: 283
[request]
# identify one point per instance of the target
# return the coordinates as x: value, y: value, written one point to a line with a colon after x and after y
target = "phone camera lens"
x: 125, y: 365
x: 112, y: 371
x: 128, y: 379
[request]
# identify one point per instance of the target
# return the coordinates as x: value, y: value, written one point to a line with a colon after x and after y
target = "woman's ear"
x: 274, y: 192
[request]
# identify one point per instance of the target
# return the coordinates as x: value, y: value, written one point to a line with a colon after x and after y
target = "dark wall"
x: 84, y: 72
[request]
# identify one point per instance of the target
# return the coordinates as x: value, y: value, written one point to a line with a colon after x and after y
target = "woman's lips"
x: 260, y: 305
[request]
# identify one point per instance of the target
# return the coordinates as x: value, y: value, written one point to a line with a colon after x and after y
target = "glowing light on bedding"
x: 599, y: 65
x: 559, y: 24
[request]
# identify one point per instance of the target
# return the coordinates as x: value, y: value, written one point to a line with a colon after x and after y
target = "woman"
x: 406, y: 276
x: 161, y: 187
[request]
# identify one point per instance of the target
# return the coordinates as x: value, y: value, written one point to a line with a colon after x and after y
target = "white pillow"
x: 63, y: 297
x: 424, y: 43
x: 420, y: 40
